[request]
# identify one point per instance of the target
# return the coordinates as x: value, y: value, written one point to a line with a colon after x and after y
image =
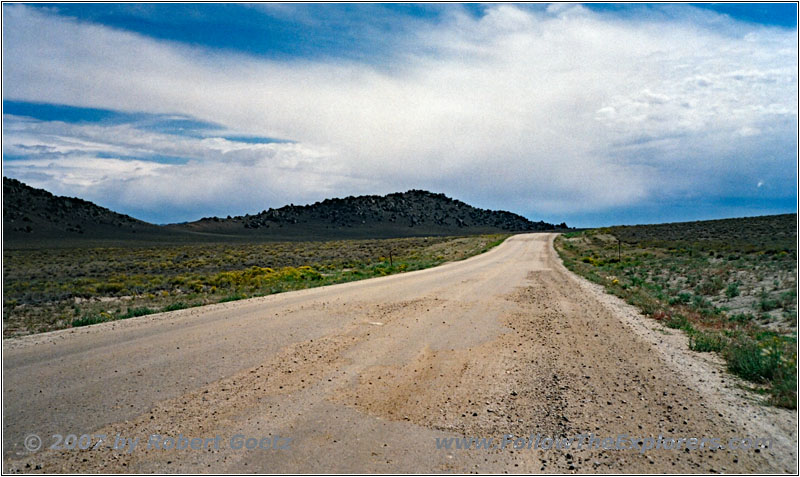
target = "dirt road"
x: 365, y: 376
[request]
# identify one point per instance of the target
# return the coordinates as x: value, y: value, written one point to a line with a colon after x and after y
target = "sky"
x: 593, y: 114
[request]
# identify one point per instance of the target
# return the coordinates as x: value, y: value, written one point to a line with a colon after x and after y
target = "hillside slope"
x: 35, y: 217
x: 411, y: 213
x: 768, y: 233
x: 31, y: 214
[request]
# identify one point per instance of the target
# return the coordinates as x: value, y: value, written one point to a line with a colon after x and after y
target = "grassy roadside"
x: 730, y: 286
x: 50, y: 289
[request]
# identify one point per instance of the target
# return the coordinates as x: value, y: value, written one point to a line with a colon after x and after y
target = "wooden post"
x: 391, y: 263
x: 619, y: 251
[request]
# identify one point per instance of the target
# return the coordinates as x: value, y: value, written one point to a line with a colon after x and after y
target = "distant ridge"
x: 32, y: 214
x: 35, y: 216
x: 415, y: 212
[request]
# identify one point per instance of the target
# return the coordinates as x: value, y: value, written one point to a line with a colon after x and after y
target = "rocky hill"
x: 31, y: 214
x: 415, y: 212
x: 34, y: 217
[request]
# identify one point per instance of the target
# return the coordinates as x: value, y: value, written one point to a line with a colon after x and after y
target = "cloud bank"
x: 554, y: 113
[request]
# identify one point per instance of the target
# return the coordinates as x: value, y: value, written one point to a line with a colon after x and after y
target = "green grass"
x: 89, y: 320
x: 232, y: 298
x: 134, y: 312
x: 742, y: 318
x: 706, y: 341
x: 492, y: 245
x: 732, y: 290
x: 747, y: 359
x: 130, y: 313
x: 766, y: 302
x: 179, y: 305
x: 729, y: 285
x: 767, y: 361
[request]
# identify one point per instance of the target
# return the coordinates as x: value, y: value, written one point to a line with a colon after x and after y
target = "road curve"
x: 365, y: 376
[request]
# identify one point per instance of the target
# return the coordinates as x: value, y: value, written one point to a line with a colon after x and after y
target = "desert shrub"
x: 195, y: 286
x: 710, y: 286
x: 175, y: 306
x: 705, y: 341
x: 754, y: 361
x: 233, y: 297
x: 766, y: 361
x: 381, y: 269
x: 647, y: 304
x: 787, y: 299
x: 110, y: 287
x: 141, y: 311
x: 308, y: 273
x: 784, y: 388
x: 90, y: 320
x: 732, y: 290
x: 682, y: 298
x: 741, y: 318
x: 701, y: 303
x: 678, y: 322
x: 767, y: 303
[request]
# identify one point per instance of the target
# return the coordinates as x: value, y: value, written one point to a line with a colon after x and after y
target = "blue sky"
x: 594, y: 114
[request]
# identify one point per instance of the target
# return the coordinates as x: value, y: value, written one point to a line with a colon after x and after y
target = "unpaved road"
x: 363, y: 377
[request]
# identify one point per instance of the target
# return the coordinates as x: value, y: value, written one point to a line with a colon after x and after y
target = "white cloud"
x: 200, y: 174
x: 562, y: 111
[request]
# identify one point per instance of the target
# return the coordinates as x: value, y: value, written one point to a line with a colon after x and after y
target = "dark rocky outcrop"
x: 33, y: 217
x: 416, y: 212
x: 31, y: 214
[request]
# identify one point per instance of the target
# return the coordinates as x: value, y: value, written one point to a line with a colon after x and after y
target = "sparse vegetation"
x: 732, y: 291
x: 53, y: 288
x: 705, y: 341
x: 728, y: 284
